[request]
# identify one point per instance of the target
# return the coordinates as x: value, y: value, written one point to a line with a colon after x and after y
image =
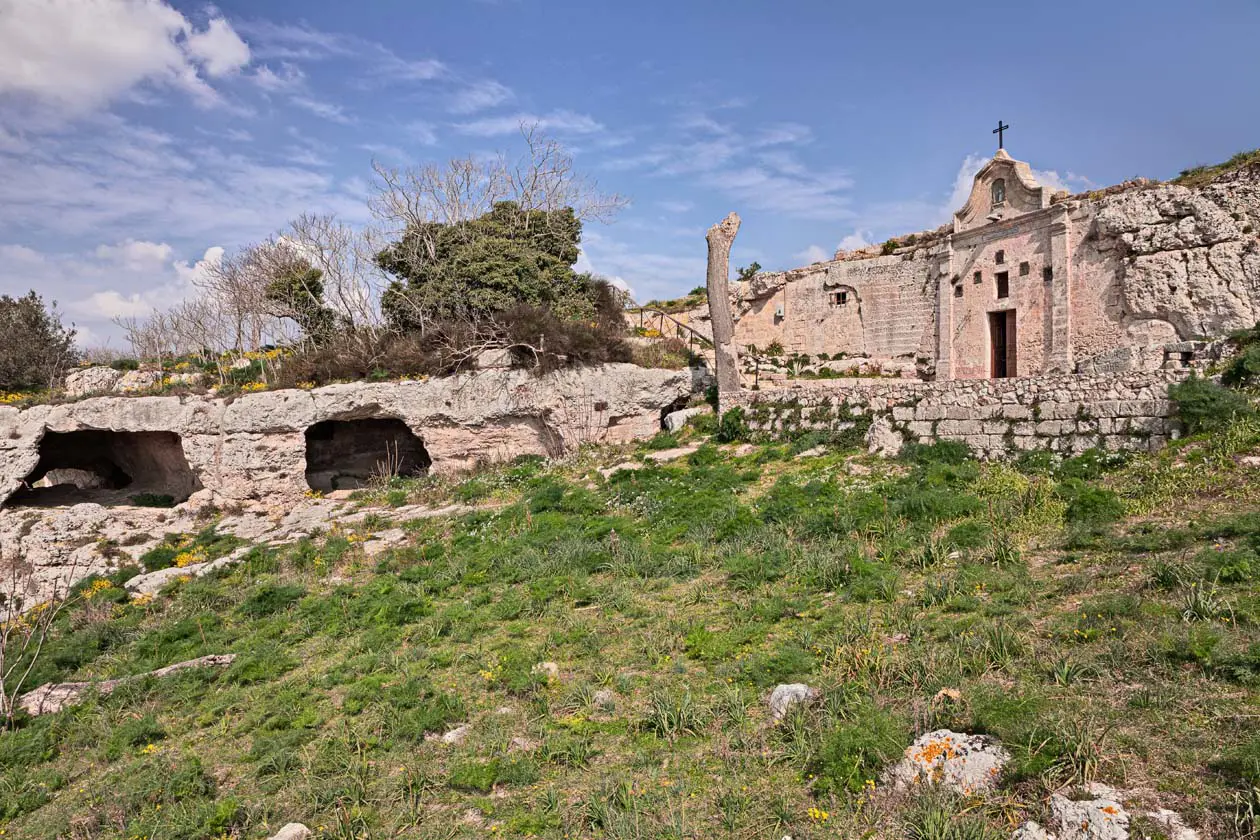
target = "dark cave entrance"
x: 108, y: 468
x: 348, y: 454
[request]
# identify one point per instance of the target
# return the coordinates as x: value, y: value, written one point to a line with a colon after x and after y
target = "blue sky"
x: 139, y: 137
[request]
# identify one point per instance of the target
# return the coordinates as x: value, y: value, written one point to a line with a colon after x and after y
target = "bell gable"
x: 1003, y: 189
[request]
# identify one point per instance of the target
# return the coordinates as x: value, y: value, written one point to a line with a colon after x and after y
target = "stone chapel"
x: 1024, y: 282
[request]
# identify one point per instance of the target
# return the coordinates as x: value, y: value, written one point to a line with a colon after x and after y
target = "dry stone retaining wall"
x: 1067, y: 413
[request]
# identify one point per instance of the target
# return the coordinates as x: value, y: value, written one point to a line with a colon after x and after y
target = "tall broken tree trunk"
x: 720, y: 237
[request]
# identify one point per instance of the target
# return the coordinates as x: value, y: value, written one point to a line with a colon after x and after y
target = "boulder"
x: 675, y: 420
x: 1090, y: 819
x: 92, y: 380
x: 550, y: 670
x: 963, y: 763
x: 138, y: 380
x: 787, y: 695
x: 292, y: 831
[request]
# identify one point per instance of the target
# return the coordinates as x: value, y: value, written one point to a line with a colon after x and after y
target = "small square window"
x: 839, y: 298
x: 958, y: 290
x: 1003, y: 284
x: 1047, y: 274
x: 1024, y: 269
x: 999, y: 257
x: 976, y: 278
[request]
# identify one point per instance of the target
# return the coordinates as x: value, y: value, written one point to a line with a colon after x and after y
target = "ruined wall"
x: 254, y: 446
x: 886, y: 313
x: 1066, y: 413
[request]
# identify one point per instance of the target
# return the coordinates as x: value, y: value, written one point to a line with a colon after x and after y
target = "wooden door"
x: 1011, y: 344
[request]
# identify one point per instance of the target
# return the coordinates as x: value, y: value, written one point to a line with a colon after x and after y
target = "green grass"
x: 1098, y: 615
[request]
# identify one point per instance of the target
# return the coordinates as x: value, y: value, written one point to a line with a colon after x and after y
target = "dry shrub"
x: 669, y: 353
x: 535, y: 338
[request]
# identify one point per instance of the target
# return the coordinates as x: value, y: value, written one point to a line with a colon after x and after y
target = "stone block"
x: 1016, y: 412
x: 1050, y: 428
x: 959, y: 427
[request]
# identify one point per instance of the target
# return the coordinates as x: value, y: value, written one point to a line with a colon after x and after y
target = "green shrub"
x: 857, y: 749
x: 133, y: 734
x: 155, y: 500
x: 732, y: 427
x: 270, y: 598
x: 1090, y: 505
x: 1205, y: 406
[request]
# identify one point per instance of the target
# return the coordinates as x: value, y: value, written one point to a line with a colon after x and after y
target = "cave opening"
x: 349, y: 454
x: 108, y: 468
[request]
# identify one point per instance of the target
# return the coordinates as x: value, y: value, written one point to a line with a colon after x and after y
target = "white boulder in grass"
x: 963, y: 763
x: 785, y: 696
x: 292, y: 831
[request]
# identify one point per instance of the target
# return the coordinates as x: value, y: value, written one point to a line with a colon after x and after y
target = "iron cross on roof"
x: 998, y: 131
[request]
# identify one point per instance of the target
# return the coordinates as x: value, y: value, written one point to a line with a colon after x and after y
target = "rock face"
x: 92, y: 380
x: 255, y: 446
x: 966, y: 764
x: 1091, y: 819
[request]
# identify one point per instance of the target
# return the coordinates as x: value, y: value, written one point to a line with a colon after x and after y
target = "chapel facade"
x: 1026, y: 282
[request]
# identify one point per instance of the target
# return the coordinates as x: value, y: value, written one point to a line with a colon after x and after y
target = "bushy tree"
x: 298, y: 293
x: 476, y: 269
x: 36, y: 348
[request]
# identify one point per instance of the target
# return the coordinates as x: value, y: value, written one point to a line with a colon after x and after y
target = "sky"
x: 141, y: 139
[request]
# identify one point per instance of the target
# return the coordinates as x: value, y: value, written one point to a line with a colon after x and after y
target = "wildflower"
x: 97, y: 587
x: 253, y: 387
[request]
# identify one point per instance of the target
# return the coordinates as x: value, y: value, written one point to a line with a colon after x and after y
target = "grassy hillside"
x: 1099, y: 616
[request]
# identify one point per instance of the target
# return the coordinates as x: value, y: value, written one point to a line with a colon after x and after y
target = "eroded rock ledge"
x: 255, y: 447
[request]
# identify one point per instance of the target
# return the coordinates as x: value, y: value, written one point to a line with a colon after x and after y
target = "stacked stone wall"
x: 997, y: 417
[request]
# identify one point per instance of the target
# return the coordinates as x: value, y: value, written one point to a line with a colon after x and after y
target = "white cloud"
x: 128, y: 279
x: 219, y: 49
x: 478, y: 96
x: 1070, y: 182
x: 557, y: 122
x: 79, y: 55
x: 676, y: 206
x: 812, y: 254
x: 116, y: 181
x: 290, y: 78
x: 422, y: 133
x: 294, y: 42
x: 323, y: 110
x: 791, y: 134
x: 135, y: 254
x: 854, y: 241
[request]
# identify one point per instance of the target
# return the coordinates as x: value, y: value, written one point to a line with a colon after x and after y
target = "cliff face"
x: 1190, y: 257
x: 256, y: 446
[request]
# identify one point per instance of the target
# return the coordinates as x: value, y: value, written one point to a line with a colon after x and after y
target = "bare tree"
x: 25, y: 628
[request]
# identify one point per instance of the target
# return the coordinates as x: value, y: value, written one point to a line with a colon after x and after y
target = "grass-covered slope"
x: 1099, y: 617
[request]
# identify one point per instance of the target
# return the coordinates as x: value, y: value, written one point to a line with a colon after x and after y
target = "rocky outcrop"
x: 53, y: 697
x: 965, y: 764
x: 254, y: 447
x: 1191, y: 257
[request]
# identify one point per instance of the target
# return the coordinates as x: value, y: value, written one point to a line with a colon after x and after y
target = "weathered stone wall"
x: 1066, y: 413
x: 886, y: 312
x: 254, y: 446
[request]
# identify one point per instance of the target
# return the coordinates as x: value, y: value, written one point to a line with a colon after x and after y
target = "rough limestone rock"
x: 292, y: 831
x: 53, y: 697
x: 550, y: 670
x: 883, y: 439
x: 1031, y: 831
x: 254, y: 447
x: 92, y: 380
x: 1188, y: 257
x: 138, y: 380
x: 456, y: 735
x: 152, y: 582
x: 963, y: 763
x: 1091, y: 819
x: 1171, y: 823
x: 675, y: 420
x: 787, y: 695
